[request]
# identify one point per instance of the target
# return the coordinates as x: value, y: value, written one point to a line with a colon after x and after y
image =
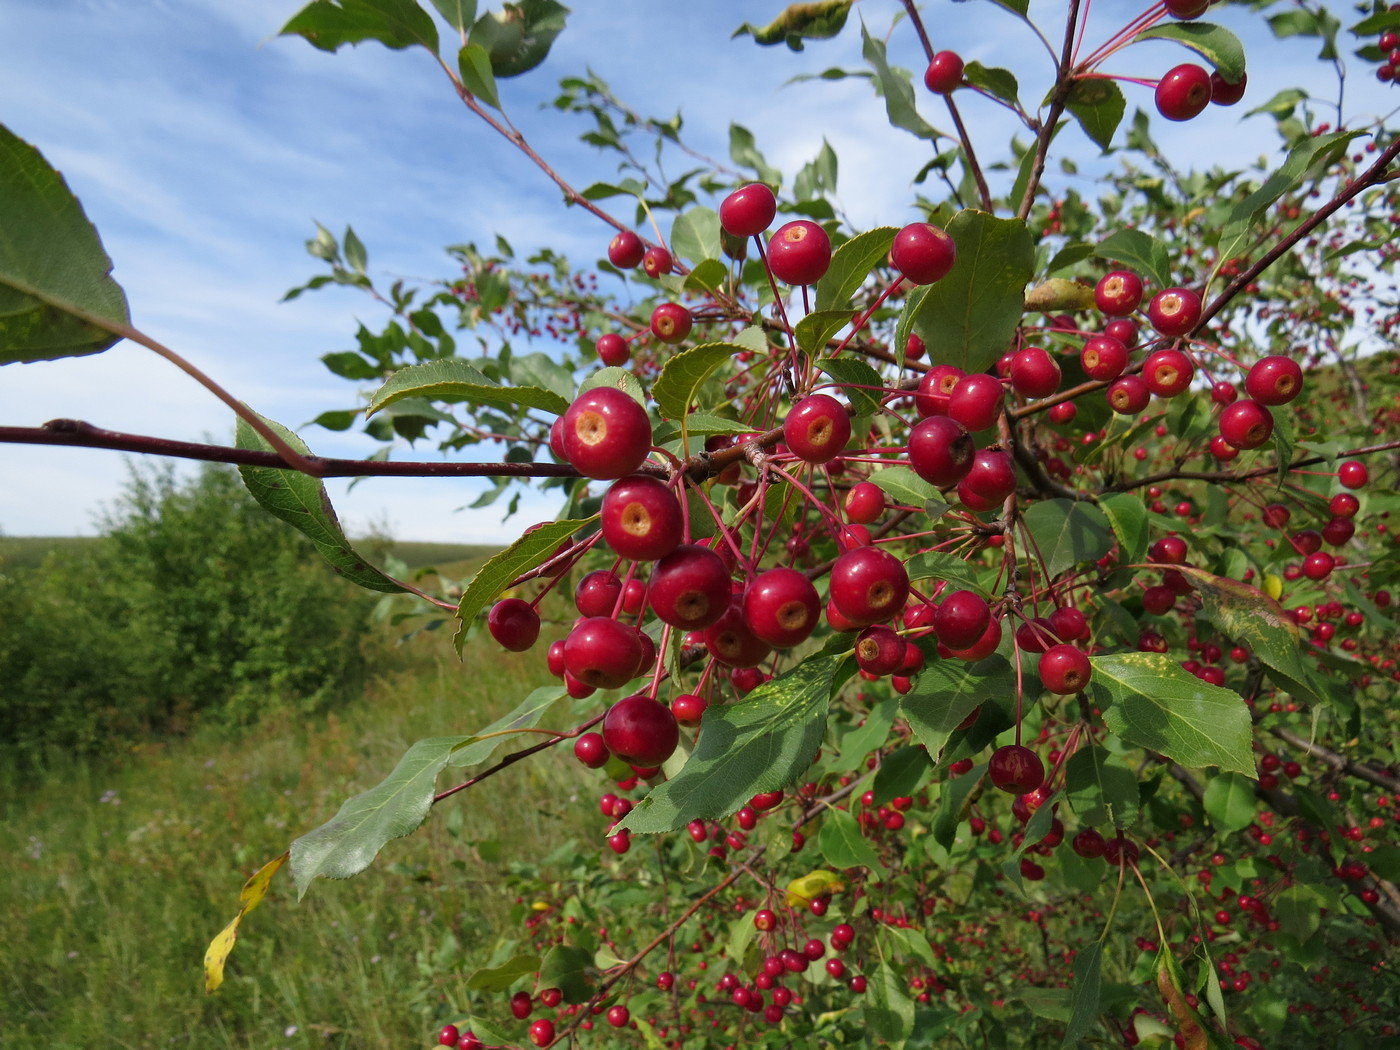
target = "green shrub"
x: 194, y: 603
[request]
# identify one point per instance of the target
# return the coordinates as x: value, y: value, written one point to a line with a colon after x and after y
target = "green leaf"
x: 1139, y: 251
x: 1298, y: 910
x: 820, y: 20
x: 527, y: 715
x: 1127, y: 515
x: 816, y: 328
x: 501, y: 570
x: 500, y: 978
x: 901, y: 773
x: 889, y: 1012
x: 474, y: 67
x: 695, y: 235
x: 682, y: 376
x: 744, y: 152
x: 937, y: 565
x: 969, y: 317
x: 851, y: 264
x: 1016, y: 7
x: 950, y: 805
x: 897, y: 89
x: 741, y: 935
x: 355, y: 253
x: 1101, y: 788
x: 1252, y: 618
x: 57, y: 296
x: 1000, y: 83
x: 347, y: 843
x: 1378, y: 22
x: 843, y: 846
x: 454, y: 379
x: 1243, y: 222
x: 460, y: 14
x: 570, y: 969
x: 1216, y: 44
x: 1067, y: 533
x: 762, y: 743
x: 1229, y: 802
x: 947, y: 691
x: 519, y: 38
x: 1086, y: 990
x: 302, y: 501
x: 1098, y: 105
x: 708, y: 275
x: 1304, y: 22
x: 859, y: 382
x: 330, y: 24
x: 904, y: 485
x: 1069, y: 255
x: 1282, y: 104
x: 1150, y: 700
x: 618, y: 378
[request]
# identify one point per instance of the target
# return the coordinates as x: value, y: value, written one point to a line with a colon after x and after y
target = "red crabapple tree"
x: 980, y: 626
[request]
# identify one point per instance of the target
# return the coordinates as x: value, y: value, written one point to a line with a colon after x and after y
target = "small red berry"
x: 944, y: 73
x: 923, y: 253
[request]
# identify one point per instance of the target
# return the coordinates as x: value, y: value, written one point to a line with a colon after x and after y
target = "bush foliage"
x: 195, y: 603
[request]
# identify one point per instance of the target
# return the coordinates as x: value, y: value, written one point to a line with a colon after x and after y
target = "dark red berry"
x: 1015, y: 769
x: 1184, y: 92
x: 1118, y: 293
x: 1103, y: 358
x: 782, y: 607
x: 1065, y: 669
x: 689, y: 588
x: 670, y: 322
x: 640, y: 730
x: 944, y: 73
x: 868, y: 585
x: 1174, y: 311
x: 514, y: 624
x: 657, y: 262
x: 941, y: 450
x: 799, y: 252
x: 625, y: 251
x: 591, y: 750
x: 1246, y: 424
x: 612, y: 350
x: 817, y: 428
x: 641, y: 518
x: 923, y: 253
x: 748, y: 211
x: 605, y: 434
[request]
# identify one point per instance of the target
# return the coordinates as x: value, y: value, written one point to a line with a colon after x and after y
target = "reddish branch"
x: 1376, y: 173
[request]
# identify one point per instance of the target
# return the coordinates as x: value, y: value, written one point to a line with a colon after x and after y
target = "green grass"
x: 116, y: 873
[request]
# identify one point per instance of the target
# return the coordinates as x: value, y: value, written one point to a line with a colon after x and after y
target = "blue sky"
x: 203, y: 148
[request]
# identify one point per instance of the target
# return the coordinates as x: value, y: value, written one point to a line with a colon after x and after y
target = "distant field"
x: 18, y: 553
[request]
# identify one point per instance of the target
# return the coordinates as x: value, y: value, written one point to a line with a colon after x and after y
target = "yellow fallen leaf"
x: 254, y: 890
x: 806, y: 888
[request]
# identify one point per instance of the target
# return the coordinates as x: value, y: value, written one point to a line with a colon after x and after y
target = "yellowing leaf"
x: 254, y: 890
x: 806, y: 888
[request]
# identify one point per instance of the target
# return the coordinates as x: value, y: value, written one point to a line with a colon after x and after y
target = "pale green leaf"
x: 301, y: 500
x: 764, y: 742
x: 1151, y: 701
x: 530, y: 550
x: 454, y: 379
x: 57, y: 296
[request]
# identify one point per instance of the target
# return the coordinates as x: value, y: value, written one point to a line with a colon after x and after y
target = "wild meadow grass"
x: 116, y: 872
